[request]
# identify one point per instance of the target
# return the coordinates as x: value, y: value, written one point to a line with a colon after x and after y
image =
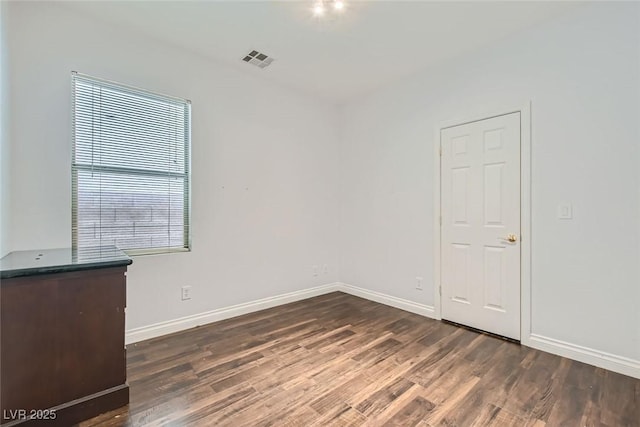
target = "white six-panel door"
x: 480, y: 225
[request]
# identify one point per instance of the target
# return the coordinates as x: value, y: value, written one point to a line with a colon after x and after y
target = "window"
x: 130, y: 168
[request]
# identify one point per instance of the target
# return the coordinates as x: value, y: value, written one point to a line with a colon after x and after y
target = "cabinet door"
x: 28, y: 343
x: 91, y: 332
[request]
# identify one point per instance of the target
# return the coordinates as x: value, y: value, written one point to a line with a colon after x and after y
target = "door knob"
x: 511, y: 238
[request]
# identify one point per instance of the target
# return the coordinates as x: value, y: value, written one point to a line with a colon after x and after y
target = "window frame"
x: 186, y: 208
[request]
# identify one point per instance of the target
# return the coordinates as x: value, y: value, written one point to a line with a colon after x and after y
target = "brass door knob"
x: 511, y: 238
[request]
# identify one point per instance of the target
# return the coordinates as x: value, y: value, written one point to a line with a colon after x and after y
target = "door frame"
x: 525, y: 211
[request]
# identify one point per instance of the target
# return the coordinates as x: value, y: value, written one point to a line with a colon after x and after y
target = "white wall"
x: 282, y: 182
x: 263, y: 184
x: 5, y: 154
x: 582, y: 75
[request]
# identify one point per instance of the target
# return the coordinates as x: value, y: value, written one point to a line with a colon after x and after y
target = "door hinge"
x: 440, y: 289
x: 440, y: 151
x: 440, y: 219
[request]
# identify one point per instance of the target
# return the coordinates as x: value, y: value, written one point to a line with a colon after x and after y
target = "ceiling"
x: 371, y: 44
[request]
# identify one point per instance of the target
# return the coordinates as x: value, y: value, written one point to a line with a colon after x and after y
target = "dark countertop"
x: 47, y: 261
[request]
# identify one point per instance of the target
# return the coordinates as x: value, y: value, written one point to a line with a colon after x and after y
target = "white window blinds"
x: 130, y: 168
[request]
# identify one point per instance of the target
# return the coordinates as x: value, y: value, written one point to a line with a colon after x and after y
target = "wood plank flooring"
x: 338, y: 360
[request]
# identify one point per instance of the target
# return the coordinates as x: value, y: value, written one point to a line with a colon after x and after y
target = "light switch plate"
x: 565, y: 211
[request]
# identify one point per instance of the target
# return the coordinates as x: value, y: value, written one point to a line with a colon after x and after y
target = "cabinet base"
x: 73, y: 412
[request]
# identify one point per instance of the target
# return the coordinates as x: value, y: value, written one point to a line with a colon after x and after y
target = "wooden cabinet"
x: 62, y: 346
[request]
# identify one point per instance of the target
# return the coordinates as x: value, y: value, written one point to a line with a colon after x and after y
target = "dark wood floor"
x: 345, y: 361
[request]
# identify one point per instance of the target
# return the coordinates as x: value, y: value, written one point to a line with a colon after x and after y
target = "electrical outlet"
x: 419, y: 283
x: 565, y: 211
x: 325, y: 269
x: 186, y: 293
x: 314, y: 270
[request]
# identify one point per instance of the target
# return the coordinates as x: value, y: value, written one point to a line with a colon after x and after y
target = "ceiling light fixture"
x: 320, y: 6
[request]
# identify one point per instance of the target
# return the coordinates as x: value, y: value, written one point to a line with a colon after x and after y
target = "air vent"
x: 258, y: 59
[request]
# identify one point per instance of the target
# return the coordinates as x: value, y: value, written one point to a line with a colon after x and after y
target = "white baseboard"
x: 402, y: 304
x: 587, y: 355
x: 187, y: 322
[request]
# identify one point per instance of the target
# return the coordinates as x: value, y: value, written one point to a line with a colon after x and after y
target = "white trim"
x: 525, y: 212
x: 187, y: 322
x: 525, y: 223
x: 593, y: 357
x: 437, y: 224
x: 588, y: 355
x: 402, y: 304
